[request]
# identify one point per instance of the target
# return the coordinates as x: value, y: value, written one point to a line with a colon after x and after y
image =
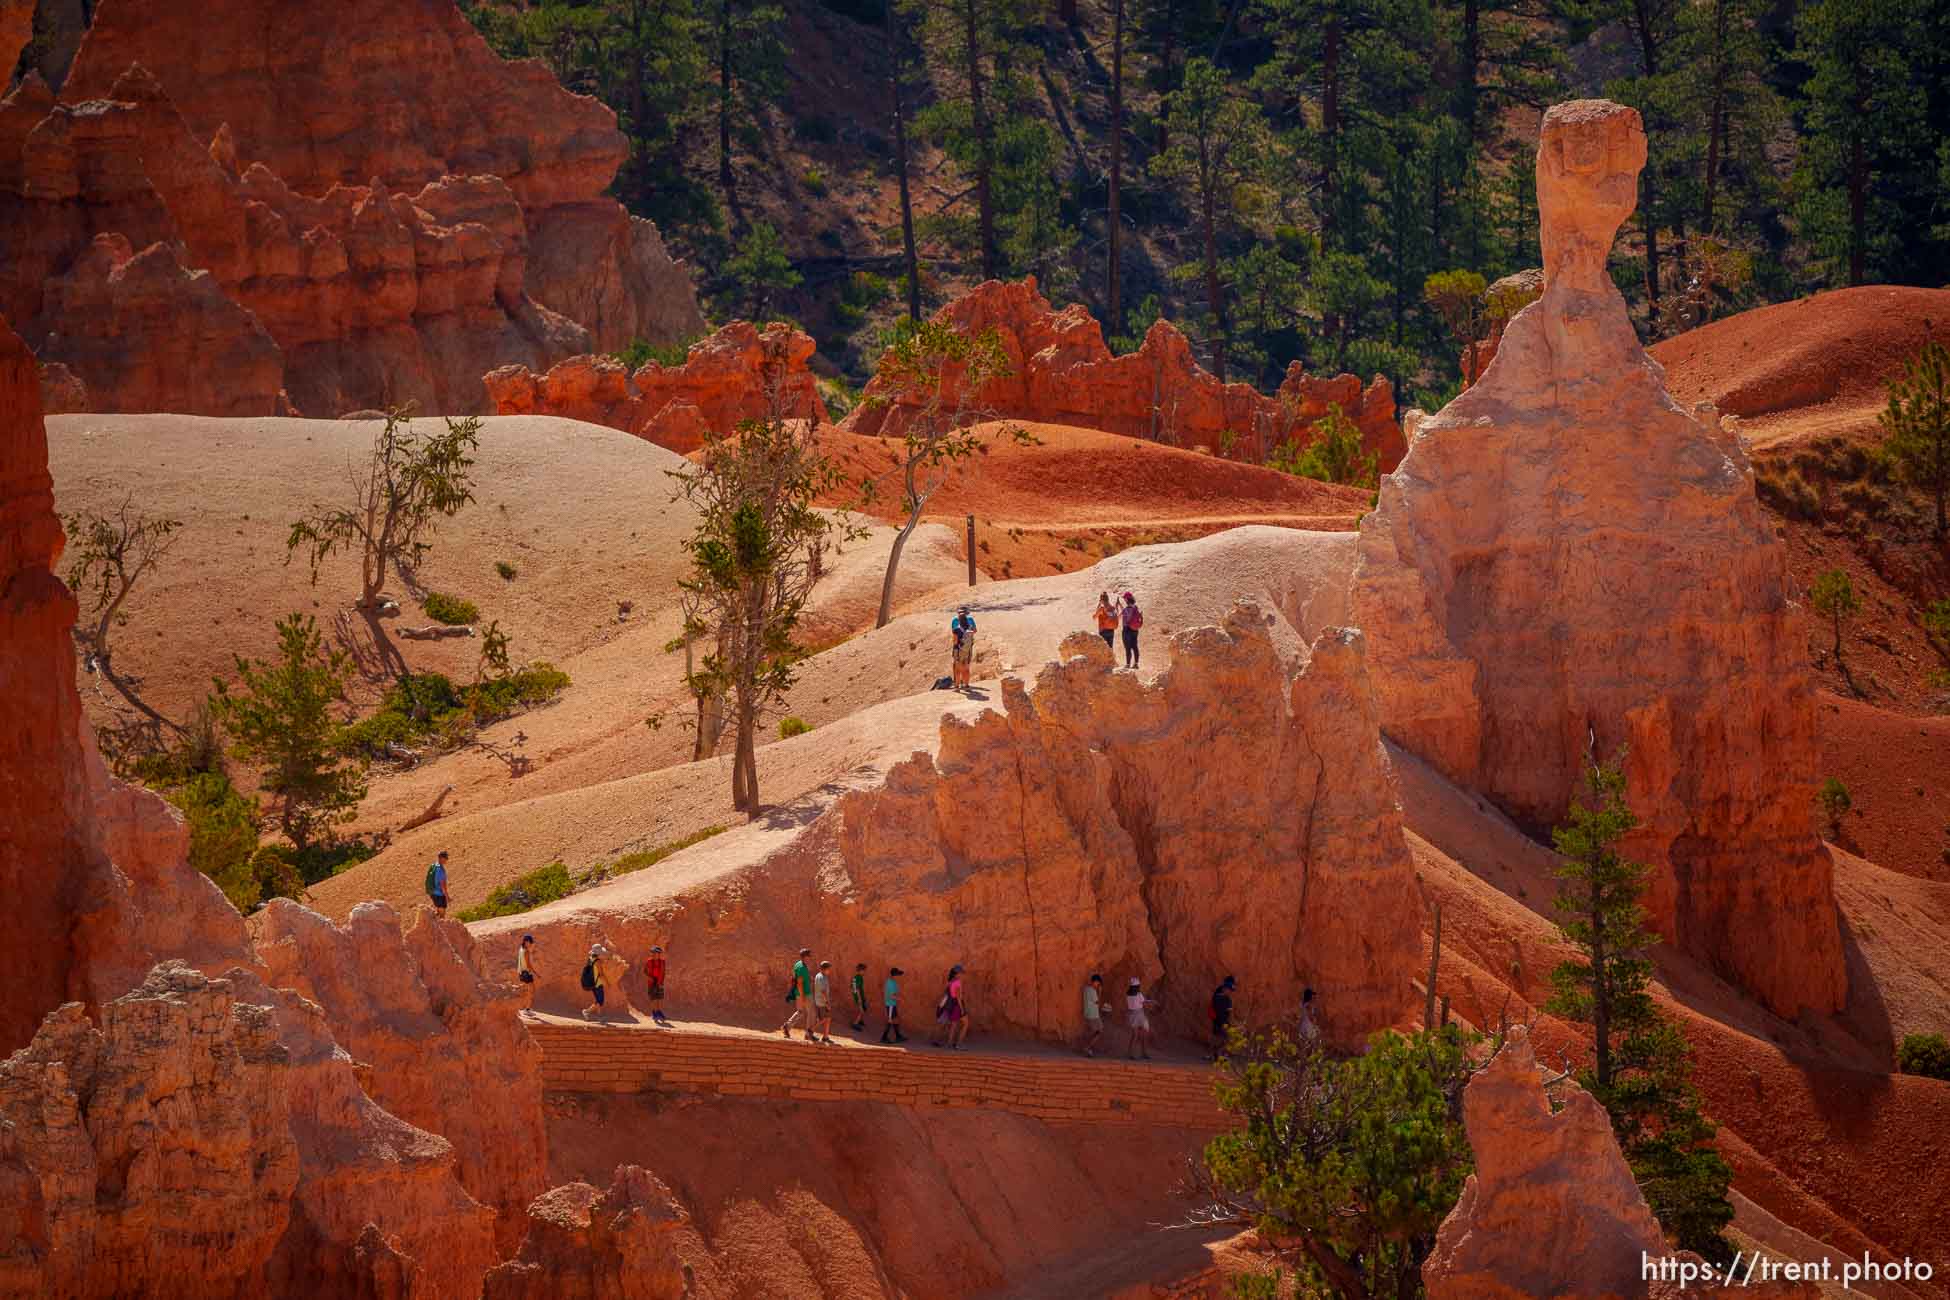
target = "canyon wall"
x: 1062, y: 372
x: 1567, y: 561
x: 263, y: 256
x: 173, y: 1122
x: 724, y: 379
x: 1226, y: 818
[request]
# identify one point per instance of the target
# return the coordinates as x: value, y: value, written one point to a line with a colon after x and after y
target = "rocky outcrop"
x: 62, y: 392
x: 585, y: 1244
x: 395, y: 261
x: 212, y: 1135
x: 427, y: 1032
x: 1062, y: 372
x: 151, y: 1156
x: 157, y: 336
x: 1502, y: 300
x: 1552, y: 1209
x: 453, y: 108
x: 16, y: 29
x: 1565, y: 560
x: 725, y: 378
x: 1226, y: 818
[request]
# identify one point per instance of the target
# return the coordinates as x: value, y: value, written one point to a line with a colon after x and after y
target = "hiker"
x: 437, y: 882
x: 890, y: 997
x: 964, y: 652
x: 1107, y: 621
x: 1222, y: 1015
x: 1309, y: 1030
x: 859, y: 997
x: 1093, y: 1014
x: 1136, y: 1014
x: 525, y: 966
x: 950, y: 1014
x: 798, y: 996
x: 654, y: 970
x: 823, y: 1003
x: 1133, y: 619
x: 593, y: 979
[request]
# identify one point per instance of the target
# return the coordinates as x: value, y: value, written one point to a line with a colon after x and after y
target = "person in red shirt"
x: 653, y: 974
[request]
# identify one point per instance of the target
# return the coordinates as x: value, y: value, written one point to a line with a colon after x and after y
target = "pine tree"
x: 1916, y: 424
x: 1642, y: 1071
x: 747, y: 49
x: 280, y: 718
x: 1218, y: 141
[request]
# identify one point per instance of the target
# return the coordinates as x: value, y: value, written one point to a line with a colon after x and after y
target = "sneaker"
x: 787, y: 1033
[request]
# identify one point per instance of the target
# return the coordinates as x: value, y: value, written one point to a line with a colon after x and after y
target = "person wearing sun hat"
x: 654, y: 970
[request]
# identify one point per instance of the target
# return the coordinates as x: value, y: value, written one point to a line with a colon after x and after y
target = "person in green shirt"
x: 798, y: 996
x: 859, y: 996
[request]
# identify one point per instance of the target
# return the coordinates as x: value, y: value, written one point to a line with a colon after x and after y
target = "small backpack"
x: 589, y: 975
x: 1136, y: 619
x: 430, y: 881
x: 792, y: 988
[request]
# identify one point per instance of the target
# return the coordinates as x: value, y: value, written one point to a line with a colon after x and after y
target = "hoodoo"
x: 1567, y: 562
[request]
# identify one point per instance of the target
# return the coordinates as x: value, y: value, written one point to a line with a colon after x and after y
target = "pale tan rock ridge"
x: 1227, y: 818
x: 1565, y: 560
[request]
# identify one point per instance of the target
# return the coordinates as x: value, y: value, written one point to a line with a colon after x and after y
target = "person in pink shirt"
x: 951, y: 1014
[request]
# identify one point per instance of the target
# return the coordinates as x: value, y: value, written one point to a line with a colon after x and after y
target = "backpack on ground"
x: 1135, y: 619
x: 589, y: 975
x: 430, y: 879
x: 942, y: 684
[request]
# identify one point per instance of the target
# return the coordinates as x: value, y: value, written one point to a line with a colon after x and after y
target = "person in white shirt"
x: 1093, y: 1014
x: 823, y: 1003
x: 1136, y: 1009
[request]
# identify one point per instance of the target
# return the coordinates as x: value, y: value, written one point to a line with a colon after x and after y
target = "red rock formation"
x: 159, y: 337
x: 42, y: 792
x: 16, y: 29
x: 1098, y: 823
x: 452, y: 108
x: 1566, y: 558
x: 723, y: 380
x: 585, y: 1244
x: 62, y: 391
x: 428, y: 1033
x: 212, y: 1136
x: 1062, y: 372
x: 154, y: 1155
x: 1552, y: 1209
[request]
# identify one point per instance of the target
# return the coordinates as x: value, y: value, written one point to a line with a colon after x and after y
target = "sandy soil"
x: 870, y: 703
x: 1802, y: 369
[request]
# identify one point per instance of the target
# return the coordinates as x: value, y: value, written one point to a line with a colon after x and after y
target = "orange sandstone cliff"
x: 1567, y: 561
x: 328, y: 259
x: 1062, y: 372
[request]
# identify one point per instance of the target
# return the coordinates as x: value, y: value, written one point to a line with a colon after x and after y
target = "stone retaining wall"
x: 594, y: 1058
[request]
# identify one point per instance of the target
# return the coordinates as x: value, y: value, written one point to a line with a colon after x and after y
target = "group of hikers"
x: 1113, y: 617
x: 811, y: 999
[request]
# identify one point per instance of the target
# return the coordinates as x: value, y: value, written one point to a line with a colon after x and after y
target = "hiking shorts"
x: 599, y: 995
x: 528, y: 977
x: 656, y: 990
x: 439, y: 901
x: 1109, y: 634
x: 965, y: 650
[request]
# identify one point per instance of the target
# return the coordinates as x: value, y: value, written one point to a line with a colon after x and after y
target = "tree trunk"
x: 1648, y: 214
x: 1330, y: 126
x: 1716, y: 121
x: 1858, y: 205
x: 908, y: 255
x: 744, y: 764
x: 1114, y: 317
x: 1214, y: 302
x: 1472, y: 57
x: 893, y: 568
x: 1167, y: 57
x: 724, y: 102
x: 984, y: 144
x: 1600, y: 1001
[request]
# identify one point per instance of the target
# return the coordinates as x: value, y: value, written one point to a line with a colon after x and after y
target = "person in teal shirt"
x: 890, y: 997
x: 798, y: 996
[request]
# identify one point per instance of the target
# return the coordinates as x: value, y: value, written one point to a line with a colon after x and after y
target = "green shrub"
x: 813, y: 178
x: 794, y: 726
x: 542, y: 885
x: 451, y: 610
x: 506, y: 570
x: 641, y: 352
x: 223, y: 835
x: 1924, y: 1054
x: 424, y: 705
x: 1834, y: 800
x: 629, y: 862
